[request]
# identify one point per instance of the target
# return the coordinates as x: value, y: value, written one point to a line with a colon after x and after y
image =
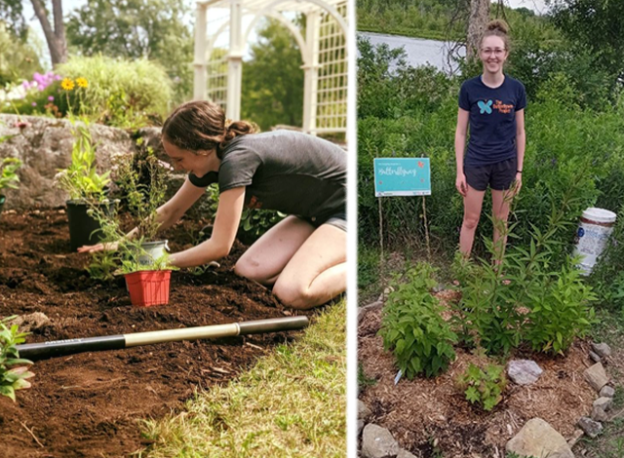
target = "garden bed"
x: 91, y: 404
x: 431, y: 417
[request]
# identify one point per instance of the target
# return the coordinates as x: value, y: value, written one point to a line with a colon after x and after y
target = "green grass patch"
x: 291, y: 404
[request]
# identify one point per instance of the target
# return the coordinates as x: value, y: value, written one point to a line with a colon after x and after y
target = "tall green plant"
x: 8, y: 175
x: 413, y: 327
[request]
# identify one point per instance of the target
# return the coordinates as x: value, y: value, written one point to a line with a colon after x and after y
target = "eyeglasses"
x: 495, y: 51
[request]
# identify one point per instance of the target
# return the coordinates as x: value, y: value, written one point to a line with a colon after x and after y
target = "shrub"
x: 483, y: 387
x: 120, y: 93
x: 13, y: 373
x: 413, y: 327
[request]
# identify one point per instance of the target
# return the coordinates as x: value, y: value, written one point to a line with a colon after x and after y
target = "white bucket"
x: 592, y: 236
x: 153, y: 251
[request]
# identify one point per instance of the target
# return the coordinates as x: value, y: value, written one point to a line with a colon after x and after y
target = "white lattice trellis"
x: 220, y: 41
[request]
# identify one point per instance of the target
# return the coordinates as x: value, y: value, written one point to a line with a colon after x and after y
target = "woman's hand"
x: 518, y: 184
x: 111, y: 246
x: 460, y: 184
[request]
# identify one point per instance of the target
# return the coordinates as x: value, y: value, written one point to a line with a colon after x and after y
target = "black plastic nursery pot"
x: 2, y: 199
x: 83, y: 229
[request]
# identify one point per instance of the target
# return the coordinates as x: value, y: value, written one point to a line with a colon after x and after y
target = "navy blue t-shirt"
x: 492, y: 119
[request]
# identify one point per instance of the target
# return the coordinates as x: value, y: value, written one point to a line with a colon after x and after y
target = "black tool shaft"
x: 273, y: 325
x: 35, y: 351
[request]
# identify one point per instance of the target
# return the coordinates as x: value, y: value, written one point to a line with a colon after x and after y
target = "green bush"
x: 413, y: 327
x: 120, y: 93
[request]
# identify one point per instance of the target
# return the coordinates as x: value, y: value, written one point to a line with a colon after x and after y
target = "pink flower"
x: 51, y: 98
x: 22, y: 124
x: 34, y: 104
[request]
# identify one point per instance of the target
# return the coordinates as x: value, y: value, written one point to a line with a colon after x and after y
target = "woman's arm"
x: 223, y: 233
x: 521, y: 146
x: 460, y: 145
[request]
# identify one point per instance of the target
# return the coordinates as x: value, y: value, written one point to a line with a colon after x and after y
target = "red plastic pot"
x: 148, y: 287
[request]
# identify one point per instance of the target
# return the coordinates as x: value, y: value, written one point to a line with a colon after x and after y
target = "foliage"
x: 483, y: 386
x: 13, y: 372
x: 138, y: 29
x: 413, y: 327
x: 119, y: 93
x: 560, y: 134
x: 81, y: 179
x: 273, y: 79
x: 255, y: 221
x: 11, y: 14
x: 8, y: 175
x: 541, y: 278
x: 597, y: 25
x: 18, y: 58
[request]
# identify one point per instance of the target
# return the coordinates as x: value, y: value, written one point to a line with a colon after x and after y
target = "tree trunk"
x: 54, y: 37
x: 479, y: 16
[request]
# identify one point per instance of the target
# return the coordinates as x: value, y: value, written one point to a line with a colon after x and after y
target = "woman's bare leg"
x: 473, y: 202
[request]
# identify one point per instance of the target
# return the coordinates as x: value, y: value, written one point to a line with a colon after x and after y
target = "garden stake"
x: 36, y: 351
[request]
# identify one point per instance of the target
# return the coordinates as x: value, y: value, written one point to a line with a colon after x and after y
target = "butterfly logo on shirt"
x: 485, y: 107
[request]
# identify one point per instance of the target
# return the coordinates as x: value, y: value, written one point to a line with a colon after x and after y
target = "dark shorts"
x: 338, y: 220
x: 499, y: 176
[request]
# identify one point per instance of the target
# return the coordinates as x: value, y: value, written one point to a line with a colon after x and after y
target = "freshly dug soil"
x: 431, y: 417
x: 91, y: 404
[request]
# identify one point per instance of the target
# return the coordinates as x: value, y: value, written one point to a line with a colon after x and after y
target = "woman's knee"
x: 293, y: 295
x: 248, y: 268
x: 470, y: 222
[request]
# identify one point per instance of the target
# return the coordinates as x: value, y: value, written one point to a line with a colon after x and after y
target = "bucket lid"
x: 599, y: 215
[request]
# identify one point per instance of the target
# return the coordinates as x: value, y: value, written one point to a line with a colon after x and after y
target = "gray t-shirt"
x: 291, y: 172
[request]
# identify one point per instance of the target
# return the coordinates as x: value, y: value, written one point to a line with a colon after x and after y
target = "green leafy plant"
x: 255, y: 222
x: 81, y: 179
x: 8, y: 175
x: 413, y: 327
x: 483, y: 387
x: 131, y: 264
x: 13, y: 371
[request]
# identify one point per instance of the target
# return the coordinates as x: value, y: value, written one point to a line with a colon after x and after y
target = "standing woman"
x: 304, y: 256
x: 493, y: 104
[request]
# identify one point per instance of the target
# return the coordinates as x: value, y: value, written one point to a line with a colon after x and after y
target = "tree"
x: 596, y: 24
x: 154, y: 29
x: 55, y: 35
x: 479, y: 17
x: 13, y: 12
x: 273, y: 79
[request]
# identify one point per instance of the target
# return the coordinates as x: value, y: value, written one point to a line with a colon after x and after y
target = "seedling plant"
x: 13, y: 370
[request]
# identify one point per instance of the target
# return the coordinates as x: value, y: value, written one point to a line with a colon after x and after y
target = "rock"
x: 524, y: 371
x: 596, y: 376
x: 540, y: 440
x: 602, y: 349
x: 604, y: 403
x: 592, y: 428
x: 377, y: 442
x: 594, y: 357
x: 363, y: 411
x: 360, y: 425
x: 578, y: 433
x: 44, y: 145
x: 598, y: 414
x: 405, y: 454
x: 607, y: 392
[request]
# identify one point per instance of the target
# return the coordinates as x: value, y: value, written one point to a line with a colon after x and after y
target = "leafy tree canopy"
x: 273, y: 79
x: 11, y: 13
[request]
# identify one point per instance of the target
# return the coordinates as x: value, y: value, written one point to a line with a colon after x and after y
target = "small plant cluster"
x: 255, y: 221
x: 81, y: 179
x: 8, y: 175
x: 413, y: 326
x: 483, y: 387
x: 13, y: 370
x: 141, y: 184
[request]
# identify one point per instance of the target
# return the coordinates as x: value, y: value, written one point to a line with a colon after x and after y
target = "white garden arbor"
x: 222, y: 31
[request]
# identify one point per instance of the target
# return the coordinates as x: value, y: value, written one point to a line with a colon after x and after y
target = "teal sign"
x: 402, y: 176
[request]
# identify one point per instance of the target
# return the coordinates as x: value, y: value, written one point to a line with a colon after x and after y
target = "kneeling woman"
x: 304, y: 255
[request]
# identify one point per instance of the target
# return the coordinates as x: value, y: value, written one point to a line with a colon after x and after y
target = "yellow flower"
x: 67, y: 84
x: 82, y: 82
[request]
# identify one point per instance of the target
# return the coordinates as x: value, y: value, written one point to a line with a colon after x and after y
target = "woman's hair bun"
x: 499, y: 25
